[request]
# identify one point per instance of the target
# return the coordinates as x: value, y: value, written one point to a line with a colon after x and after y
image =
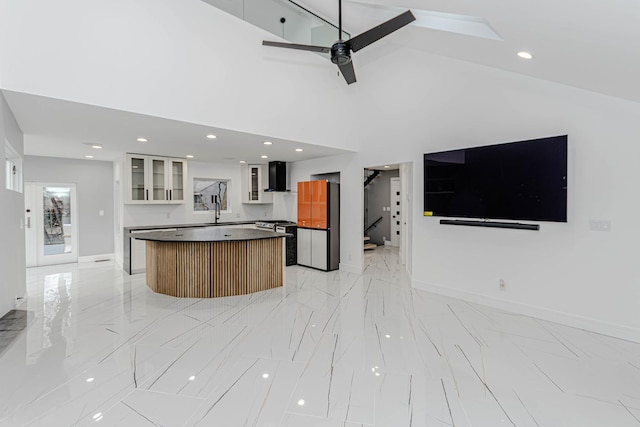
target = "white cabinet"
x: 319, y: 249
x: 312, y: 248
x: 304, y: 246
x: 253, y: 181
x: 152, y: 179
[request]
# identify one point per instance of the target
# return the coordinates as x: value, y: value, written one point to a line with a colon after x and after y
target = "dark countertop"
x: 209, y: 234
x: 199, y: 225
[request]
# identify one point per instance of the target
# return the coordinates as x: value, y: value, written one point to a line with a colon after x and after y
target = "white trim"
x: 350, y: 268
x: 94, y: 258
x: 576, y: 321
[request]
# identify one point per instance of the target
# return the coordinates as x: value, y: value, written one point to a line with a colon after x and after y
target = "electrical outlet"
x: 502, y: 285
x: 600, y: 225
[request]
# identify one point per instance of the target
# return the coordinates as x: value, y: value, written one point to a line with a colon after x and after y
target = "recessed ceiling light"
x: 265, y: 376
x: 97, y: 147
x: 189, y: 156
x: 243, y: 161
x: 298, y: 149
x: 387, y: 166
x: 211, y: 136
x: 142, y: 139
x: 301, y: 402
x: 525, y: 55
x: 90, y: 379
x: 264, y: 157
x: 88, y: 156
x: 192, y: 377
x: 267, y: 143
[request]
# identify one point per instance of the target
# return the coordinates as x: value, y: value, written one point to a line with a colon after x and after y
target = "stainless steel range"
x: 291, y: 242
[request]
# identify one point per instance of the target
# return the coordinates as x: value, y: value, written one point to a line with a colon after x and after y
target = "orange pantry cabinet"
x: 319, y: 224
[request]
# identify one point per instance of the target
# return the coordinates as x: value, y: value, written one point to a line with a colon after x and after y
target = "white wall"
x: 12, y: 251
x: 94, y: 193
x: 564, y: 272
x: 183, y: 60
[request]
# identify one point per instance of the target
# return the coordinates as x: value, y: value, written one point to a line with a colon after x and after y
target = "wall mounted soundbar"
x: 492, y: 224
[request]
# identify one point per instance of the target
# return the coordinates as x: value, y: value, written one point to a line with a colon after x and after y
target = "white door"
x: 396, y: 212
x: 51, y: 219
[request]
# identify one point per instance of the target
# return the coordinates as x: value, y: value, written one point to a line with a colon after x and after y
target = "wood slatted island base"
x: 214, y: 262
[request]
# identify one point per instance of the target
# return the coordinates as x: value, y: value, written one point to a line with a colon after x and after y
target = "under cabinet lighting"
x: 525, y: 55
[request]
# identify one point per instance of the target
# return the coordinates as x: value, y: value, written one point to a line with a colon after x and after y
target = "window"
x: 208, y: 191
x: 13, y: 169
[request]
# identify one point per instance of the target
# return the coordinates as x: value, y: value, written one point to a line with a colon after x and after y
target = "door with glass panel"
x: 51, y: 224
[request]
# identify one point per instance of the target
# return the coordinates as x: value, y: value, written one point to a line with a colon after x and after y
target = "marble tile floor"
x: 326, y: 350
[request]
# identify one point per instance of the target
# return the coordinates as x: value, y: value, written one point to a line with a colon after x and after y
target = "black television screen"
x: 524, y: 180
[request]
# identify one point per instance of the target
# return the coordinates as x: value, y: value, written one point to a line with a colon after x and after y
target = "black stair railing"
x: 375, y: 224
x: 371, y: 178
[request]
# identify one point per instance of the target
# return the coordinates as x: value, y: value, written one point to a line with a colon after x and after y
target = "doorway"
x: 387, y: 208
x: 51, y: 223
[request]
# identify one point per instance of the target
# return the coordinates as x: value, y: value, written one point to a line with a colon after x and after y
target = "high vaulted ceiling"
x: 587, y: 44
x: 590, y: 44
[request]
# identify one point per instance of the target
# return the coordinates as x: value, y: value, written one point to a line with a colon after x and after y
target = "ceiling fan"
x: 341, y: 50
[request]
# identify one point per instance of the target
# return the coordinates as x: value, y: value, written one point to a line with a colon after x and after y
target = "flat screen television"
x: 525, y: 180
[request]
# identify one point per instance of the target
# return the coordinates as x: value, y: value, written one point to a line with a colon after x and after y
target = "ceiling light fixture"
x: 142, y: 140
x: 298, y: 149
x: 211, y: 136
x: 97, y: 147
x: 243, y: 161
x: 264, y: 157
x: 189, y: 156
x: 88, y: 156
x: 525, y: 55
x: 267, y: 143
x: 387, y: 166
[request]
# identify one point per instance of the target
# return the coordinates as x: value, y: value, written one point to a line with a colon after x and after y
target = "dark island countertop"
x: 209, y: 234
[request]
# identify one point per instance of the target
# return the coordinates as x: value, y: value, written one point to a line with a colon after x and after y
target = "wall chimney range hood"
x: 277, y: 176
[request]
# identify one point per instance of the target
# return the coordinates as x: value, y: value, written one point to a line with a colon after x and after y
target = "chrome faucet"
x: 216, y: 207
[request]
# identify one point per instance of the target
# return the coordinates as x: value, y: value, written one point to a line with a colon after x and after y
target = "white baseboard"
x: 350, y: 268
x: 94, y: 258
x: 576, y: 321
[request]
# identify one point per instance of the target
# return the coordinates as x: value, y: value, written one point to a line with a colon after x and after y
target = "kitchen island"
x: 213, y: 262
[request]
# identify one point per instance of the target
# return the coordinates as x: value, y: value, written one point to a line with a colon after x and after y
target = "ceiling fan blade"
x: 320, y: 49
x: 348, y: 72
x: 365, y: 39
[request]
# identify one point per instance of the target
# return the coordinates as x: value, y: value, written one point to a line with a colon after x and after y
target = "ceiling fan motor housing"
x: 340, y: 53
